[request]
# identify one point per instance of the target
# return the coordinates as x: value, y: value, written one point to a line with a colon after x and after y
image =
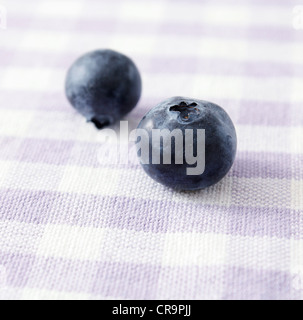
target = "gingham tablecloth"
x: 73, y: 227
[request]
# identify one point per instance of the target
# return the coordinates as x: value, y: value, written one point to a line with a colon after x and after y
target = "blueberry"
x: 103, y: 86
x: 214, y: 145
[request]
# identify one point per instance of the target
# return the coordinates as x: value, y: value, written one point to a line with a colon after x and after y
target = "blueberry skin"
x: 220, y: 142
x: 103, y: 86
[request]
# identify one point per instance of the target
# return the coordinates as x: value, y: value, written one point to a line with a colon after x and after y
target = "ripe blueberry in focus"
x: 218, y: 143
x: 103, y: 86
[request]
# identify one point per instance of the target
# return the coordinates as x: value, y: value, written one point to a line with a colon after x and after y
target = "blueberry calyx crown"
x: 185, y: 110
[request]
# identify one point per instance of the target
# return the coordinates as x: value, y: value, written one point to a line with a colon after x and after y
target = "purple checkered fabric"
x: 74, y: 226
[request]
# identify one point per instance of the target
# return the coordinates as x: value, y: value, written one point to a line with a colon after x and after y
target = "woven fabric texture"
x: 75, y: 226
